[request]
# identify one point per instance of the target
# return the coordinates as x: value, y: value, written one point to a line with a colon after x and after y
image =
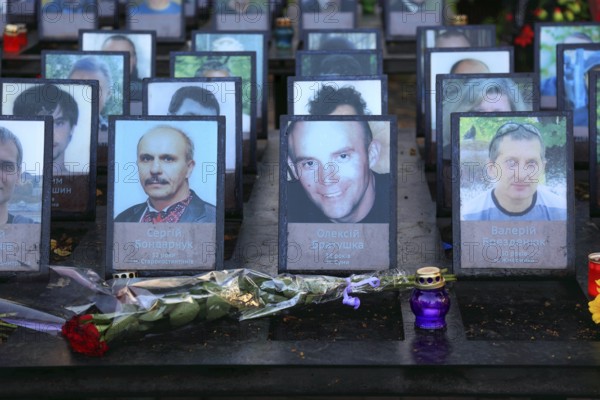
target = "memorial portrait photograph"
x: 141, y: 47
x: 62, y: 19
x: 210, y: 64
x: 241, y: 15
x: 594, y: 143
x: 327, y: 14
x: 474, y: 93
x: 511, y: 204
x: 206, y: 97
x: 343, y: 39
x: 548, y: 35
x: 24, y: 198
x: 403, y: 17
x: 74, y: 136
x: 336, y: 209
x: 338, y: 63
x: 110, y: 69
x: 21, y: 11
x: 165, y: 197
x: 439, y: 37
x: 165, y: 17
x: 342, y: 96
x: 242, y: 41
x: 458, y: 61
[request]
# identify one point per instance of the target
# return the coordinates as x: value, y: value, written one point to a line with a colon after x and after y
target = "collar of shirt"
x: 171, y: 214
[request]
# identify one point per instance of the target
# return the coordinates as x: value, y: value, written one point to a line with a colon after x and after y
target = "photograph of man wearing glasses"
x: 517, y: 164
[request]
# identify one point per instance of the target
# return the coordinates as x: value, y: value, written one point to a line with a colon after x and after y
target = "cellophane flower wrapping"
x: 109, y: 310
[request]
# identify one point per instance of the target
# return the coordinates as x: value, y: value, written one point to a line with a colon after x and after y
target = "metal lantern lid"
x: 429, y: 278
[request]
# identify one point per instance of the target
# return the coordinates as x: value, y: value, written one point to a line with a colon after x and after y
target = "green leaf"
x: 184, y: 313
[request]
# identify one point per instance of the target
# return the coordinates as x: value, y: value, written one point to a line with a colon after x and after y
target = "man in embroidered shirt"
x: 165, y: 161
x: 517, y: 163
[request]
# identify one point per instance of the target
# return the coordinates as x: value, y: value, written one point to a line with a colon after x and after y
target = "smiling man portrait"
x: 331, y: 165
x: 165, y: 162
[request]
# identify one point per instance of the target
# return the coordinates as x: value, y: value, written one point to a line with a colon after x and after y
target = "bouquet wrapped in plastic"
x: 137, y: 306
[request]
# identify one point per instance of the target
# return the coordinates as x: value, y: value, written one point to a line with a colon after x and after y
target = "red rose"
x: 525, y: 36
x: 83, y: 336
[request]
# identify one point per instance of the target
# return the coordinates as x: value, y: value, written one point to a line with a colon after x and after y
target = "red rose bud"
x: 509, y: 17
x: 83, y: 336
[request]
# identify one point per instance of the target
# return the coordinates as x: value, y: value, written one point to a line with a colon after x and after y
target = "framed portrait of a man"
x: 512, y: 206
x: 573, y: 64
x: 165, y: 207
x: 473, y: 93
x: 141, y: 46
x: 210, y: 64
x: 25, y: 150
x: 457, y: 60
x: 403, y: 17
x: 326, y: 14
x: 241, y: 15
x: 336, y: 212
x: 338, y: 63
x: 165, y: 17
x: 342, y: 39
x: 74, y: 107
x: 547, y: 36
x: 439, y: 37
x: 594, y: 124
x: 205, y: 96
x: 341, y: 96
x: 109, y: 68
x: 243, y: 41
x: 62, y: 19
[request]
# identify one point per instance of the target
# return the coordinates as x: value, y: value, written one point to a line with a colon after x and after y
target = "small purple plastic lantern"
x: 429, y: 300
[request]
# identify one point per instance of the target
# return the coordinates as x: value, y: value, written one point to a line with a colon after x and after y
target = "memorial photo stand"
x: 336, y: 212
x: 325, y: 15
x: 360, y: 95
x: 342, y: 39
x: 141, y: 46
x: 460, y: 60
x: 205, y: 96
x: 73, y: 104
x: 338, y: 63
x: 547, y: 36
x: 26, y: 181
x: 243, y: 41
x: 241, y: 15
x: 211, y: 64
x: 438, y: 37
x: 512, y: 208
x: 473, y: 93
x: 573, y: 63
x: 594, y: 131
x: 165, y: 211
x: 169, y: 23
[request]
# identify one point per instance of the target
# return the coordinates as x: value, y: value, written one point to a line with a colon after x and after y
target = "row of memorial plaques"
x: 336, y: 211
x: 61, y: 19
x: 564, y: 54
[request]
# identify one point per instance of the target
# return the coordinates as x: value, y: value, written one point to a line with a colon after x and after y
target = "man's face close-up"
x: 162, y: 166
x: 9, y: 170
x: 191, y: 107
x: 332, y: 164
x: 62, y: 133
x: 122, y: 45
x: 519, y: 168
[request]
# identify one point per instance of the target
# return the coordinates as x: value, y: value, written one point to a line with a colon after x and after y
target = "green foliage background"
x: 58, y: 66
x: 240, y: 66
x: 551, y: 37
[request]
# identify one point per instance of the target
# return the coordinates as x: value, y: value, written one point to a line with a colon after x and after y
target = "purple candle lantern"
x: 429, y: 300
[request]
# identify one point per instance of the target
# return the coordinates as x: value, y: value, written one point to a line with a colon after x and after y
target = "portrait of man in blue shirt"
x: 517, y: 164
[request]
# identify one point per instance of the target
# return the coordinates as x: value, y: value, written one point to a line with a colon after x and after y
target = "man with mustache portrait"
x: 165, y: 162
